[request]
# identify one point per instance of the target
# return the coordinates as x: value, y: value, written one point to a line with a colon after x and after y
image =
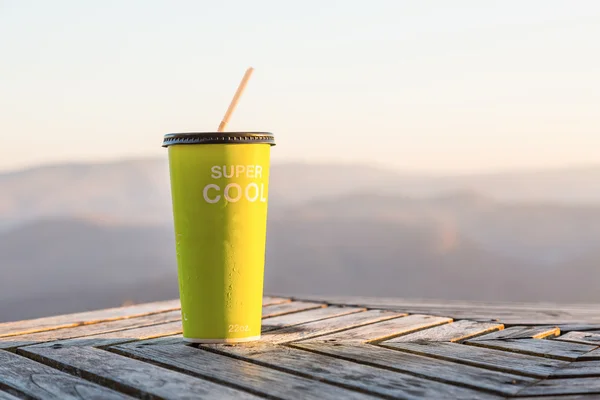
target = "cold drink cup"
x: 219, y: 188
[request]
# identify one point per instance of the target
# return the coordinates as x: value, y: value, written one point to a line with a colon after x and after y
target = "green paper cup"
x: 219, y: 187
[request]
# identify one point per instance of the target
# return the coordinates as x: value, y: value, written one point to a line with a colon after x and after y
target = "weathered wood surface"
x: 130, y: 376
x: 66, y: 321
x: 325, y: 326
x: 348, y: 373
x: 92, y: 317
x: 482, y: 357
x: 453, y: 332
x: 536, y: 347
x: 507, y: 313
x: 383, y: 330
x: 581, y: 337
x: 270, y: 300
x: 238, y: 373
x: 559, y: 397
x: 425, y: 367
x: 292, y: 319
x: 89, y: 329
x: 563, y: 386
x: 289, y: 307
x: 113, y: 338
x: 579, y: 369
x: 7, y: 396
x: 37, y: 380
x: 592, y: 355
x: 581, y: 327
x: 522, y: 332
x: 151, y: 331
x: 312, y: 348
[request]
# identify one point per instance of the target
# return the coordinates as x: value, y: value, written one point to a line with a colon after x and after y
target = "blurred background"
x: 425, y: 149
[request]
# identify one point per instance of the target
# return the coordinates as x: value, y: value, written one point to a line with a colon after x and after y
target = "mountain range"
x: 80, y: 236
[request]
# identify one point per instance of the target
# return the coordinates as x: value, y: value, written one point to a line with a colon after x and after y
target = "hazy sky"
x: 420, y: 85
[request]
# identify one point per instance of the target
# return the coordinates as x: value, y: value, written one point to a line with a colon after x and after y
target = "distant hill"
x: 138, y: 190
x: 66, y: 264
x: 457, y: 246
x: 128, y: 190
x: 82, y: 236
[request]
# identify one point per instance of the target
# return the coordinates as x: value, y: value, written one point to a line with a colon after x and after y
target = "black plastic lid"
x: 218, y: 138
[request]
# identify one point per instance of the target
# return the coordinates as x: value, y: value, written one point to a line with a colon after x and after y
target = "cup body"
x: 219, y: 193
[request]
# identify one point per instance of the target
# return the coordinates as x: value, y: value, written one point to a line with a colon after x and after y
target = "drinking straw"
x: 235, y: 99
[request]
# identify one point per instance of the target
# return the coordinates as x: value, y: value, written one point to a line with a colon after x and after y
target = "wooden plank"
x: 382, y: 330
x: 564, y: 328
x: 124, y: 336
x: 538, y: 347
x: 539, y: 319
x: 325, y: 326
x: 89, y: 317
x: 522, y: 332
x: 482, y: 357
x: 283, y: 321
x: 507, y: 313
x: 453, y: 332
x: 237, y: 373
x: 93, y: 317
x: 592, y: 355
x: 581, y: 337
x: 160, y: 341
x: 579, y: 369
x: 451, y: 304
x: 424, y: 367
x: 506, y: 317
x: 347, y: 373
x: 129, y: 376
x: 42, y: 382
x: 290, y: 307
x: 270, y: 300
x: 7, y: 396
x: 563, y: 386
x: 288, y: 321
x: 12, y: 342
x: 568, y: 397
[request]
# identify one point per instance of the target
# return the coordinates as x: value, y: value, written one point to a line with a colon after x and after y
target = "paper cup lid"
x: 219, y: 138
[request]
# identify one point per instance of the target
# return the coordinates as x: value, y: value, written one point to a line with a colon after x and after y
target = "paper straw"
x: 235, y: 99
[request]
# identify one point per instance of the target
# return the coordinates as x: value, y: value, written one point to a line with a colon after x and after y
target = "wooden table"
x: 312, y: 348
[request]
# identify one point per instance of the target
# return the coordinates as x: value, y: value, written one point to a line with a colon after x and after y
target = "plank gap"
x: 288, y: 370
x: 281, y: 322
x: 390, y: 368
x: 522, y: 332
x: 462, y: 361
x: 556, y: 389
x: 350, y: 374
x: 516, y: 350
x: 17, y: 328
x: 173, y: 368
x: 244, y: 383
x: 450, y: 331
x: 12, y: 393
x: 82, y: 334
x: 85, y: 375
x: 384, y: 319
x: 409, y: 332
x: 291, y: 307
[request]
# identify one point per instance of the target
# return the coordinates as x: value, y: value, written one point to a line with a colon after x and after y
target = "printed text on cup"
x: 234, y: 192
